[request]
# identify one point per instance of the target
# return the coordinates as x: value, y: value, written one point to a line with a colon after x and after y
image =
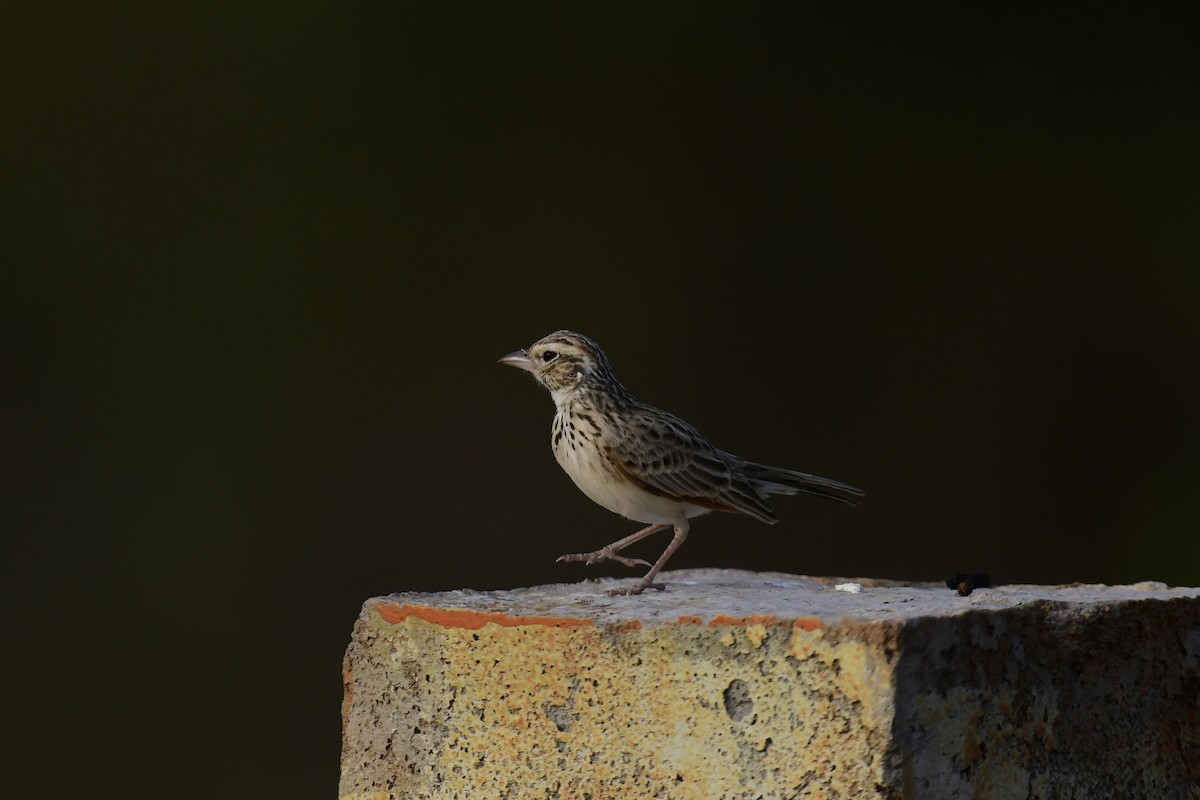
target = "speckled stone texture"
x: 764, y: 685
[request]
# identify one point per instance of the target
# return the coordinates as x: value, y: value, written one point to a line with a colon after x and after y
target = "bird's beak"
x: 518, y: 359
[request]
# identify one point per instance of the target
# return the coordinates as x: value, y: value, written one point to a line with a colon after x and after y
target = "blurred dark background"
x: 260, y: 259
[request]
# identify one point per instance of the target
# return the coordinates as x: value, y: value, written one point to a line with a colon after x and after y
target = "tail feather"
x: 775, y: 480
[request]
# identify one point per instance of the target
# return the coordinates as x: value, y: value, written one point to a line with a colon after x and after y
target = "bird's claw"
x: 635, y: 589
x: 603, y: 554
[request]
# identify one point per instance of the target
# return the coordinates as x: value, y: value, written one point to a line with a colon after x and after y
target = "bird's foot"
x: 605, y: 553
x: 636, y: 588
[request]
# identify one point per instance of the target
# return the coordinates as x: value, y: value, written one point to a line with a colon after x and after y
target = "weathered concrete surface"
x: 746, y: 685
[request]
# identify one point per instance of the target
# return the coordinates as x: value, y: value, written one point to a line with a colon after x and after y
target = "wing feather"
x: 666, y: 456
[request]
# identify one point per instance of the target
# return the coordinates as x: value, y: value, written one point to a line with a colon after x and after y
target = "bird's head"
x: 562, y: 362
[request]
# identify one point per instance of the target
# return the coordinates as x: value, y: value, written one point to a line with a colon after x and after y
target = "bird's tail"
x: 775, y: 480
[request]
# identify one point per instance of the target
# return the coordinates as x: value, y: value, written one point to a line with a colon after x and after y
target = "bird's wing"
x: 666, y: 456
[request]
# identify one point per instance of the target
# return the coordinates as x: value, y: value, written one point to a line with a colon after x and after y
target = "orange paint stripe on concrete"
x: 809, y: 623
x: 753, y: 619
x: 471, y: 620
x: 690, y: 620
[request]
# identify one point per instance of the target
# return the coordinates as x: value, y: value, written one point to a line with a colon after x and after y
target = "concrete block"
x: 764, y: 685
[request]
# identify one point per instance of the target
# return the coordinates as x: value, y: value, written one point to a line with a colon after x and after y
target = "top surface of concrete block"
x: 709, y: 593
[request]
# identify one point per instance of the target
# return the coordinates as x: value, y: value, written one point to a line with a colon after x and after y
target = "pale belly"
x: 619, y: 496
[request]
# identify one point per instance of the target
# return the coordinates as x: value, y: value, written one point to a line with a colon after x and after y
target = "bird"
x: 643, y: 463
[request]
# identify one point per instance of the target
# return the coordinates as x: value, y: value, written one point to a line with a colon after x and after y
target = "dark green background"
x: 260, y: 260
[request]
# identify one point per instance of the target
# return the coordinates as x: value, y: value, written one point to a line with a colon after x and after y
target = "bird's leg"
x: 609, y: 551
x: 681, y: 532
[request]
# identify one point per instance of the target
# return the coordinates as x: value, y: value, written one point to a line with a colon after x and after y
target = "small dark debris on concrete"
x: 967, y: 582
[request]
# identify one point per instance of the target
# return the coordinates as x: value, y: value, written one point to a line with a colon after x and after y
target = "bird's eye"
x: 549, y: 356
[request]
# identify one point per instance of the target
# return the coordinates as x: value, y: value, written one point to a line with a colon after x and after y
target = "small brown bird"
x: 643, y: 463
